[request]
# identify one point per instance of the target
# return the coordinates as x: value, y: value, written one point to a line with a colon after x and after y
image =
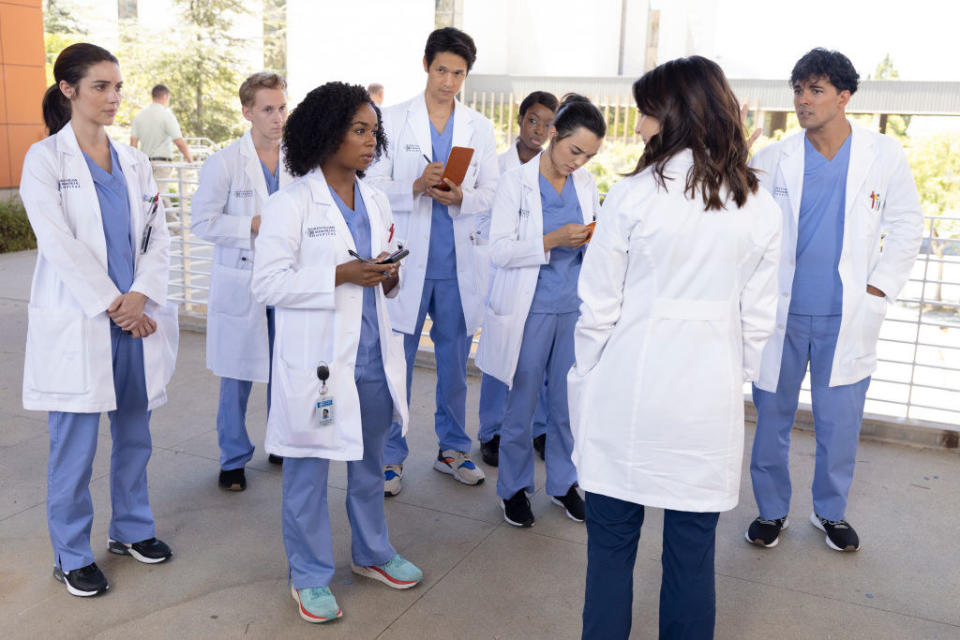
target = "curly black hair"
x: 317, y: 126
x: 824, y: 63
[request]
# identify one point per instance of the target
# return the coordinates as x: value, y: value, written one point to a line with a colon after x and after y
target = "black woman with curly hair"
x: 339, y: 372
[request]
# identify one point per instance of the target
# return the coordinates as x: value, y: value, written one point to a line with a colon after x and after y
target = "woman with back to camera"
x: 679, y: 293
x: 100, y: 335
x: 538, y: 234
x: 314, y: 266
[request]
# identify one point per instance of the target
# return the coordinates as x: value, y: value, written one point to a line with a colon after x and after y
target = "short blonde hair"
x: 260, y: 80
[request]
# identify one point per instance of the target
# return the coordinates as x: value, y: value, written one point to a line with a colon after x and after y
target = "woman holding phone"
x: 100, y: 335
x: 339, y: 372
x: 679, y: 293
x: 537, y: 242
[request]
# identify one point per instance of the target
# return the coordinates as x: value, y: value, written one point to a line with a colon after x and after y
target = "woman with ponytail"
x: 100, y: 335
x: 541, y: 222
x: 679, y: 293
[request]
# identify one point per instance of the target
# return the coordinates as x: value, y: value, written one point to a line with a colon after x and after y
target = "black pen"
x: 426, y: 158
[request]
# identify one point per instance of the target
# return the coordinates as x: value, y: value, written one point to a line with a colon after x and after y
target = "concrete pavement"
x: 483, y: 578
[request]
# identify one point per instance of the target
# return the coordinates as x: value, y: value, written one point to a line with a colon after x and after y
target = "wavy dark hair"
x: 824, y: 63
x: 697, y: 110
x: 317, y: 126
x: 71, y: 66
x: 577, y: 111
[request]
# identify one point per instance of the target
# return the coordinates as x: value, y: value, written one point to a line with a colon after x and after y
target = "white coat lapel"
x: 462, y: 127
x: 862, y: 155
x: 791, y: 168
x: 322, y: 198
x: 134, y: 195
x: 376, y: 218
x: 419, y: 122
x: 284, y: 175
x: 251, y: 166
x: 582, y: 185
x: 531, y: 205
x: 74, y: 165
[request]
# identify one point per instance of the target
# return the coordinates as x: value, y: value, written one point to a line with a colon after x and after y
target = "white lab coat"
x: 302, y: 239
x: 677, y: 305
x: 232, y: 190
x: 407, y: 126
x: 877, y: 166
x: 516, y: 250
x: 69, y: 362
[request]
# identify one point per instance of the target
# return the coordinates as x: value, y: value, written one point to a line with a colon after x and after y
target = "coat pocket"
x: 297, y: 404
x: 168, y: 334
x: 56, y: 351
x: 503, y: 290
x: 874, y: 311
x: 230, y: 291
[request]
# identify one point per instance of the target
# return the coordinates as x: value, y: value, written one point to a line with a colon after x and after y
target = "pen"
x: 426, y: 158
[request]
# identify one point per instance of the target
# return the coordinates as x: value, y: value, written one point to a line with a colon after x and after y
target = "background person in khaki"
x: 155, y: 128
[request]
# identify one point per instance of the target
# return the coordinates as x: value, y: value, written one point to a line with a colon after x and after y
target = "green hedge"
x: 15, y: 231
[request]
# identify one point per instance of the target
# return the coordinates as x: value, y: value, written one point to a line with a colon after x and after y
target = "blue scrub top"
x: 817, y: 290
x: 273, y: 181
x: 556, y: 290
x: 358, y: 221
x: 442, y: 258
x: 115, y: 213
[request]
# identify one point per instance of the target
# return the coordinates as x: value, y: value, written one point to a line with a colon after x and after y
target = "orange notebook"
x: 456, y: 169
x: 590, y: 228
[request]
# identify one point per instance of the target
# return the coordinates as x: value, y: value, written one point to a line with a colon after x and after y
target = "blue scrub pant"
x: 688, y: 602
x: 547, y: 347
x: 236, y: 450
x: 837, y: 414
x: 73, y: 444
x: 493, y: 404
x: 441, y: 299
x: 307, y: 536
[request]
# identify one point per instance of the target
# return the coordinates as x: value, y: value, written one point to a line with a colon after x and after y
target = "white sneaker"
x: 392, y: 475
x: 460, y: 466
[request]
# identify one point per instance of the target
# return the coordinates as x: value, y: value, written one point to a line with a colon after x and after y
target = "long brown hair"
x: 697, y: 110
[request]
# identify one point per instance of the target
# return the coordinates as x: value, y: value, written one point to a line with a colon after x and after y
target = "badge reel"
x: 325, y: 401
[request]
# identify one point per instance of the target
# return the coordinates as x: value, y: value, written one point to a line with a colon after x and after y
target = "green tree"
x: 275, y: 36
x: 60, y: 29
x: 896, y: 124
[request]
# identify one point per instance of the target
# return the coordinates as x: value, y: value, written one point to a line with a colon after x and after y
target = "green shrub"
x: 15, y: 231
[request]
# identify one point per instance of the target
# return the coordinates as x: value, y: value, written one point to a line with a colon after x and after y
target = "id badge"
x: 324, y: 408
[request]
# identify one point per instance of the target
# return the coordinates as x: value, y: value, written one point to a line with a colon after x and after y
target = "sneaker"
x: 572, y: 503
x: 233, y: 479
x: 540, y: 446
x: 516, y: 510
x: 490, y: 451
x: 316, y: 604
x: 150, y: 551
x: 840, y: 535
x: 397, y: 573
x: 83, y: 582
x: 392, y: 475
x: 766, y: 533
x: 272, y: 459
x: 459, y: 465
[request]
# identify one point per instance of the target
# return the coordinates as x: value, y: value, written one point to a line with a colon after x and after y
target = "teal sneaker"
x: 396, y: 574
x: 316, y: 604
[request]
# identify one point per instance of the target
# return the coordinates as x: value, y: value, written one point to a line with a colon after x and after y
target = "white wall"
x: 359, y: 41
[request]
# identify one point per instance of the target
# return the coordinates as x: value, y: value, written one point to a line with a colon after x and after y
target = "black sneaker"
x: 272, y: 459
x: 233, y: 479
x: 766, y: 533
x: 840, y: 535
x: 150, y: 551
x: 83, y: 582
x: 490, y: 451
x: 516, y: 510
x: 572, y: 503
x: 540, y: 445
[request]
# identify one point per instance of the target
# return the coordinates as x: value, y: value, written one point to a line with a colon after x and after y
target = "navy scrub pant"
x: 687, y: 594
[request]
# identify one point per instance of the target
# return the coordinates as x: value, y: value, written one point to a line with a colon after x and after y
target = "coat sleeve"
x: 153, y: 267
x: 209, y: 218
x: 758, y: 298
x: 380, y: 174
x: 74, y: 263
x: 390, y: 241
x: 601, y: 283
x: 278, y: 277
x: 902, y: 220
x: 507, y: 248
x: 478, y: 197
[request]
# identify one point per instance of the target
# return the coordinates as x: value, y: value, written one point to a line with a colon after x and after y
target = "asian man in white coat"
x: 234, y: 186
x: 839, y: 187
x: 438, y: 227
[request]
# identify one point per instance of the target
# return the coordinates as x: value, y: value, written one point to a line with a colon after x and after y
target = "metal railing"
x: 917, y: 380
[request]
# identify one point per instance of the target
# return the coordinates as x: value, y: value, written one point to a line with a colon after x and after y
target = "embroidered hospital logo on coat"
x: 780, y: 192
x: 321, y: 232
x: 243, y: 193
x: 69, y: 183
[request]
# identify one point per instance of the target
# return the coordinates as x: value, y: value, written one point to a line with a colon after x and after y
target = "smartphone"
x: 395, y: 257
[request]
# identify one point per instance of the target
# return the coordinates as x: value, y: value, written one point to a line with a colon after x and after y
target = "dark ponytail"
x: 577, y: 111
x: 70, y: 67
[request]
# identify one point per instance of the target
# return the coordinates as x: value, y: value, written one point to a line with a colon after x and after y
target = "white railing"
x: 918, y: 373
